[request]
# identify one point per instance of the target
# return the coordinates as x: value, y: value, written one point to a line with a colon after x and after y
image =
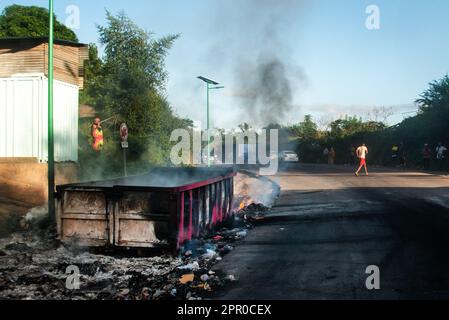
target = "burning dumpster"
x: 165, y: 207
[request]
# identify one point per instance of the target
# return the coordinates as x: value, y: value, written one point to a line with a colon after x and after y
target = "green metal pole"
x: 51, y: 152
x: 208, y: 126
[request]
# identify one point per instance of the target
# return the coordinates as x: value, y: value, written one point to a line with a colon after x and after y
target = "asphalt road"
x: 329, y: 226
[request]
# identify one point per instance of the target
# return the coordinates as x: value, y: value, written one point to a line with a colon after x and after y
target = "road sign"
x: 125, y: 144
x: 124, y: 132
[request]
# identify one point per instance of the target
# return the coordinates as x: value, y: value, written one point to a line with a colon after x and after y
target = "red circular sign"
x: 124, y: 132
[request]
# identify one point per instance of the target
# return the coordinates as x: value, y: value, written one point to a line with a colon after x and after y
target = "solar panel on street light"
x: 208, y: 81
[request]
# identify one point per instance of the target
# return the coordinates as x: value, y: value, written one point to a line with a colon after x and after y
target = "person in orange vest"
x: 97, y: 135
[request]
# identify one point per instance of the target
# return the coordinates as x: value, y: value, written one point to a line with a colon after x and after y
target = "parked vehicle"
x: 288, y: 156
x: 213, y: 159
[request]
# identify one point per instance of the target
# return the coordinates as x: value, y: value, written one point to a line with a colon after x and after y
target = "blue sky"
x: 345, y: 68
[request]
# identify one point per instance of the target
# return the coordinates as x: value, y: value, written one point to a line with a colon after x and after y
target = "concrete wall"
x: 25, y: 180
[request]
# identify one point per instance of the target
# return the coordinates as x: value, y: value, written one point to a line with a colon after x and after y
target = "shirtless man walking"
x: 361, y: 152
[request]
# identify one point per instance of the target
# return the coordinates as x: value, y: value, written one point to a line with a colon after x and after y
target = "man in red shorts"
x: 362, y: 152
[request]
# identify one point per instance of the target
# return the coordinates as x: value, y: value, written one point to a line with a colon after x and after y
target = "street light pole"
x: 51, y: 152
x: 208, y: 124
x: 208, y: 88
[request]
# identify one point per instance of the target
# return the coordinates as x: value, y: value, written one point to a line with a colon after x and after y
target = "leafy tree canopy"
x: 436, y: 97
x: 128, y: 82
x: 349, y: 126
x: 306, y: 130
x: 133, y: 71
x: 31, y: 21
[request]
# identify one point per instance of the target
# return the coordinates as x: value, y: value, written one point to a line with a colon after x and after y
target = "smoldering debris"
x: 252, y: 189
x: 253, y: 213
x: 36, y: 215
x: 35, y: 266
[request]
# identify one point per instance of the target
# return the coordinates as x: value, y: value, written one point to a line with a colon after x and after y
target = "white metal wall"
x: 23, y: 119
x: 66, y: 113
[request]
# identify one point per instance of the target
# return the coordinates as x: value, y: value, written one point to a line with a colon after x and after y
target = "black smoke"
x: 253, y: 41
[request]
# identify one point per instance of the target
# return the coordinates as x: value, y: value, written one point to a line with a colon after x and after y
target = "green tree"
x: 350, y: 126
x: 128, y: 82
x: 133, y: 74
x: 306, y: 130
x: 283, y: 134
x: 31, y: 21
x: 92, y: 76
x: 436, y: 97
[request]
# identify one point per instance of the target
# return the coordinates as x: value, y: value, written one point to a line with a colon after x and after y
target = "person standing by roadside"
x: 362, y: 152
x: 326, y: 155
x: 331, y: 156
x: 426, y: 155
x: 440, y: 150
x: 394, y: 155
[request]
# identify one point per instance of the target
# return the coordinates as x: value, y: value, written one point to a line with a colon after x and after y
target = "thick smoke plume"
x: 254, y: 40
x: 268, y: 95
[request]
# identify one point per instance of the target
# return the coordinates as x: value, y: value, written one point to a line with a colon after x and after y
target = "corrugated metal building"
x: 23, y: 118
x: 23, y: 115
x: 23, y: 98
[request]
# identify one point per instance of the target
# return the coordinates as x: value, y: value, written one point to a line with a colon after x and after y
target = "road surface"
x: 329, y: 226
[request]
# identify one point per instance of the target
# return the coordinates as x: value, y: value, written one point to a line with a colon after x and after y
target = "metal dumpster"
x: 164, y: 208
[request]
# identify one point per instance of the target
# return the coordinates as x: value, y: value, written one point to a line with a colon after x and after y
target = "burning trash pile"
x: 253, y: 213
x: 250, y: 188
x: 255, y: 195
x: 35, y: 266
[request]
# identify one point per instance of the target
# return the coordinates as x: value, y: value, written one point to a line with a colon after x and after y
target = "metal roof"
x: 41, y: 40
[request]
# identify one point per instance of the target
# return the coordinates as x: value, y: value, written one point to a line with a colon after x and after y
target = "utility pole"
x: 51, y: 148
x: 208, y: 124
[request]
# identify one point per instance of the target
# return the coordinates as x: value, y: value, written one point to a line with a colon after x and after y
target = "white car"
x: 289, y: 156
x: 213, y: 159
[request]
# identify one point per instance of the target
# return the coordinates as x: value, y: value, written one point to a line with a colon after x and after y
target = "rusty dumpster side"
x: 143, y: 216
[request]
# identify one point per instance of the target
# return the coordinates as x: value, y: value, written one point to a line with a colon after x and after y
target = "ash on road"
x: 329, y: 226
